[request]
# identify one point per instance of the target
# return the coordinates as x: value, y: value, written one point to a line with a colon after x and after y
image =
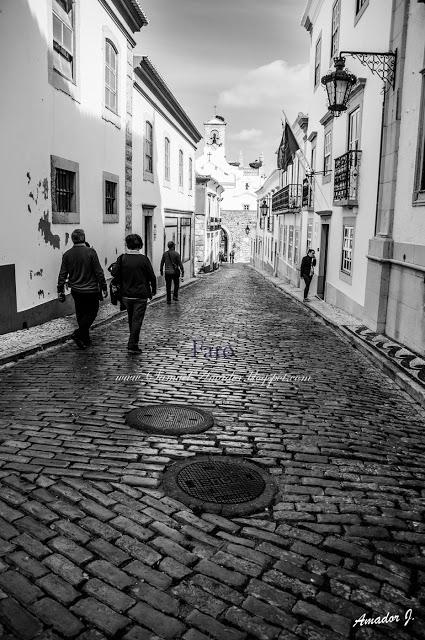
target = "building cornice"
x: 132, y: 13
x: 326, y: 118
x: 146, y: 72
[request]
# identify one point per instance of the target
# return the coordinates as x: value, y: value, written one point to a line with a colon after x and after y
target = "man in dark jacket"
x: 173, y: 266
x: 137, y: 281
x: 81, y: 266
x: 307, y: 271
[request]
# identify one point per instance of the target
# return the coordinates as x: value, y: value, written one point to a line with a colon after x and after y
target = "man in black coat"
x: 81, y: 266
x: 137, y: 282
x: 173, y: 268
x: 307, y: 271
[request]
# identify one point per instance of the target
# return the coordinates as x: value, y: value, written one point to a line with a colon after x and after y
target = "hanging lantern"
x: 264, y: 208
x: 338, y: 85
x: 247, y: 230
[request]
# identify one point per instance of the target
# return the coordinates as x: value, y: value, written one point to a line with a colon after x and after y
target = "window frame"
x: 65, y: 217
x: 359, y: 10
x: 112, y: 45
x: 190, y: 174
x: 290, y: 243
x: 58, y: 80
x: 167, y: 159
x: 419, y: 178
x: 327, y: 171
x: 181, y: 169
x: 317, y: 61
x: 148, y: 157
x: 335, y: 32
x: 346, y: 273
x: 68, y: 22
x: 111, y: 177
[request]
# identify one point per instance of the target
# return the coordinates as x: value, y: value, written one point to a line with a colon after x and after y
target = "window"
x: 285, y: 235
x: 180, y: 169
x: 309, y: 235
x: 290, y: 242
x: 190, y: 181
x: 347, y: 249
x: 327, y: 153
x: 354, y: 130
x: 65, y: 191
x: 111, y: 77
x: 167, y: 159
x: 360, y: 4
x: 419, y: 194
x: 63, y: 38
x: 336, y: 14
x: 296, y: 245
x: 148, y: 148
x: 317, y: 56
x: 110, y: 197
x: 246, y: 207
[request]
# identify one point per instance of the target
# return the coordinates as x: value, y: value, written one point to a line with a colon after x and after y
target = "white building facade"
x: 74, y: 149
x: 207, y: 224
x: 240, y: 183
x: 344, y: 152
x: 164, y: 145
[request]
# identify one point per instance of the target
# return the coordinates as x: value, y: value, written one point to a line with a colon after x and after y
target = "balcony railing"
x: 287, y: 199
x: 308, y: 194
x: 346, y: 179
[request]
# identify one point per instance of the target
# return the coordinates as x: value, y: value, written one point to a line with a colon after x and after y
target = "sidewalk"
x: 403, y: 366
x: 19, y: 344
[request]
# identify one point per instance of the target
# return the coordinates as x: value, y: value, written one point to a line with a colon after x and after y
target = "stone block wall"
x: 234, y: 222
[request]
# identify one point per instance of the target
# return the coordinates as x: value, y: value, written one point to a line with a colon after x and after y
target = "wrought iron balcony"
x: 308, y: 193
x: 346, y: 179
x: 287, y: 199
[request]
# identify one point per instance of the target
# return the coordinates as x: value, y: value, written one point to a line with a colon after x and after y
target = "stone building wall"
x: 234, y: 223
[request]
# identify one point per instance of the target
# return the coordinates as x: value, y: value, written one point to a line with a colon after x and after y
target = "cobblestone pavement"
x: 91, y: 548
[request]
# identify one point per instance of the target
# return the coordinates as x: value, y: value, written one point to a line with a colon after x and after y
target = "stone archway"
x: 225, y: 243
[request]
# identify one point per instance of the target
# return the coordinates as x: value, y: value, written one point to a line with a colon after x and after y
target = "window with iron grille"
x: 347, y: 249
x: 63, y: 38
x: 180, y: 169
x: 111, y: 76
x: 309, y: 235
x: 64, y: 190
x: 285, y: 235
x: 190, y: 176
x: 317, y: 56
x: 148, y: 147
x: 296, y: 245
x: 246, y: 207
x: 167, y: 159
x: 110, y: 198
x: 336, y: 14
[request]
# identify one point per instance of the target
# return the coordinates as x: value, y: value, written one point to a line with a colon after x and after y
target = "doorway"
x: 323, y: 261
x: 147, y: 231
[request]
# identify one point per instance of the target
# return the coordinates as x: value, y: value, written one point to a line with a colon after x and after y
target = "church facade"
x: 239, y: 182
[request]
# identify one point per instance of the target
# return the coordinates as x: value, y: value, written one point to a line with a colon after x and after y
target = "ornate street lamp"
x: 338, y: 85
x: 247, y: 230
x: 264, y: 208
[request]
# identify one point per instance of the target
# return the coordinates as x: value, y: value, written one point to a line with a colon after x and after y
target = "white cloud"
x: 247, y: 135
x: 274, y: 85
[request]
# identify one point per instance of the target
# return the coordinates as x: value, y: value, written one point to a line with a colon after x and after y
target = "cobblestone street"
x: 92, y: 548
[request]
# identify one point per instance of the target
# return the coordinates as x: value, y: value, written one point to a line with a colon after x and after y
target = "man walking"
x: 173, y: 267
x: 133, y: 271
x: 81, y: 266
x: 307, y: 271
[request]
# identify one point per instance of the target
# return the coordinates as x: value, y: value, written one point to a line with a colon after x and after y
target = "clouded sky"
x: 245, y: 56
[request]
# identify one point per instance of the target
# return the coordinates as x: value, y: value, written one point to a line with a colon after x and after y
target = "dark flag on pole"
x: 287, y: 148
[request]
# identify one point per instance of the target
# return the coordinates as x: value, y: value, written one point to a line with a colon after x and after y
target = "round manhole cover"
x: 170, y: 419
x: 220, y: 484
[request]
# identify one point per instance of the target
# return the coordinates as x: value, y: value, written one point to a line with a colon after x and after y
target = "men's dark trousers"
x: 86, y: 308
x: 136, y: 309
x: 169, y: 279
x: 307, y: 280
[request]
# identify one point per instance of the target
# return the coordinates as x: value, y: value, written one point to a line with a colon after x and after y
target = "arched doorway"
x: 224, y: 244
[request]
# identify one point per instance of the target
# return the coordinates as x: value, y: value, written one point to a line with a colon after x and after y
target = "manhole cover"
x: 170, y: 419
x: 220, y: 484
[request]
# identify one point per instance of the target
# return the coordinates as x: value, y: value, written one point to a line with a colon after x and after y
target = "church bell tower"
x: 215, y: 139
